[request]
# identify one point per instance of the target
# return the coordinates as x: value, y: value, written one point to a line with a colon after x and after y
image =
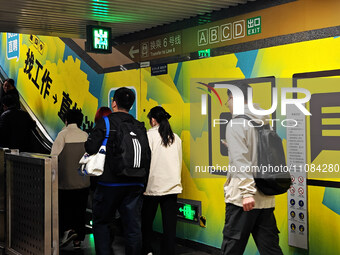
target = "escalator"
x: 40, y: 140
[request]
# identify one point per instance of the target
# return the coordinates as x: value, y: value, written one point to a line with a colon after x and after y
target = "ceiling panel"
x: 68, y: 18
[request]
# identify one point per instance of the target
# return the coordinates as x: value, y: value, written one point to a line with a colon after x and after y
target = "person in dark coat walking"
x: 7, y: 89
x: 15, y: 125
x: 116, y: 191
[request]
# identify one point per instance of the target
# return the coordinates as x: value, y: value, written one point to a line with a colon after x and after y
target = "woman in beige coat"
x: 164, y: 181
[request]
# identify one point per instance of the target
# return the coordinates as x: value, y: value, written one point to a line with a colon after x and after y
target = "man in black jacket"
x: 15, y: 126
x: 116, y: 191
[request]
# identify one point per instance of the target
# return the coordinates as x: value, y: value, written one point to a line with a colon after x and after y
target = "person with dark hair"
x: 123, y: 99
x: 9, y: 84
x: 8, y: 88
x: 74, y: 116
x: 15, y: 126
x: 248, y: 210
x: 116, y: 188
x: 164, y: 181
x: 73, y: 188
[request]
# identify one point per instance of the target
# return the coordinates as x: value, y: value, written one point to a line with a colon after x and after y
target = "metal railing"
x: 32, y: 204
x: 3, y: 197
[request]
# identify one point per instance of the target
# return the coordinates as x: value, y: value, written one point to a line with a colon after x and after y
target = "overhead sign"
x: 156, y: 47
x: 161, y: 46
x: 221, y: 33
x: 211, y: 35
x: 262, y: 24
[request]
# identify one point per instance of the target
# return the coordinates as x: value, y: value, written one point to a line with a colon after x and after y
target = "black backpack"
x: 131, y: 148
x: 270, y: 153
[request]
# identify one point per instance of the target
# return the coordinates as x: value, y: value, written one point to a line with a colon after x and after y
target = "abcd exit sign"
x: 254, y: 26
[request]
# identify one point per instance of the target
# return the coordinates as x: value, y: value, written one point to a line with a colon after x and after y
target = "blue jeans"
x: 128, y: 201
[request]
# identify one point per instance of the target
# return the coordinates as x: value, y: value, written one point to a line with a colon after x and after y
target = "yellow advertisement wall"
x: 285, y: 65
x: 49, y: 80
x: 172, y: 91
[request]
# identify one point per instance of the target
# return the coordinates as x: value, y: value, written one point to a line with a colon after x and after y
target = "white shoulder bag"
x: 93, y: 165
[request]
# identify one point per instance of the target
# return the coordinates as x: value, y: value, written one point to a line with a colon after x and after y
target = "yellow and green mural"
x: 51, y: 78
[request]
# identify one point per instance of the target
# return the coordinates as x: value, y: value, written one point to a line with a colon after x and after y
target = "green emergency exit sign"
x: 99, y: 39
x: 254, y: 26
x: 188, y: 210
x: 204, y: 53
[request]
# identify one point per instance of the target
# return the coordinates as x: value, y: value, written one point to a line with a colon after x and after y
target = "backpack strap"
x: 243, y: 116
x: 107, y: 124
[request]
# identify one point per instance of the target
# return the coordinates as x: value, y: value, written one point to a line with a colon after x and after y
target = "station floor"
x: 87, y: 248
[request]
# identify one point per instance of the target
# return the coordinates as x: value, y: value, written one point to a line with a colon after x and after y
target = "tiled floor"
x: 118, y: 247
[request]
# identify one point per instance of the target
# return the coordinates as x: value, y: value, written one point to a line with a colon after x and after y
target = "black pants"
x: 239, y: 224
x: 128, y: 200
x: 168, y: 205
x: 72, y: 211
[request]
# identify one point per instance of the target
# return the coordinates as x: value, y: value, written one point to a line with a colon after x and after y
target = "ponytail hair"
x: 165, y: 131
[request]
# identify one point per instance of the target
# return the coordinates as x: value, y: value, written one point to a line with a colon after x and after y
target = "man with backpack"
x: 248, y: 210
x: 123, y: 181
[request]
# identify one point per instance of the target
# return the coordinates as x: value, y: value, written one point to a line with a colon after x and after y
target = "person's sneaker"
x: 76, y: 244
x: 69, y: 235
